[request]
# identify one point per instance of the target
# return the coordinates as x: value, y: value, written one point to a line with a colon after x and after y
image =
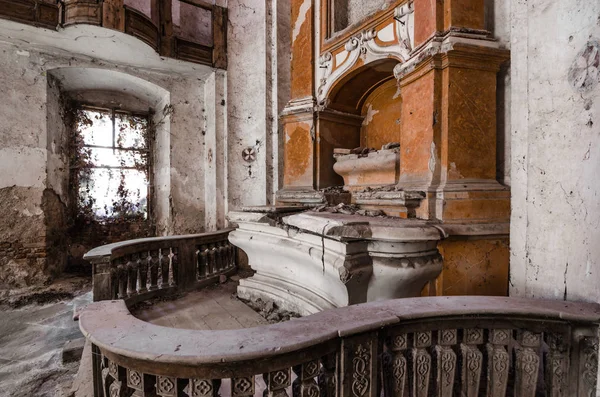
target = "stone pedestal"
x: 310, y: 262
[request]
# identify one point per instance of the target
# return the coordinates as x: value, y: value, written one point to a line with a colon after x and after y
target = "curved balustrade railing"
x: 443, y: 346
x: 154, y: 26
x: 141, y: 269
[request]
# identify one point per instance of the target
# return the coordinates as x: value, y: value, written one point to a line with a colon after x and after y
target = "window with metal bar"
x: 112, y: 171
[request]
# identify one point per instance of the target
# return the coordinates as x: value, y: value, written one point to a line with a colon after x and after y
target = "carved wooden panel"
x: 142, y: 27
x: 33, y: 12
x: 192, y: 52
x: 82, y: 11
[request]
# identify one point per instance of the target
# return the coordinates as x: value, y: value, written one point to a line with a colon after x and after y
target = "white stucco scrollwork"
x: 365, y: 46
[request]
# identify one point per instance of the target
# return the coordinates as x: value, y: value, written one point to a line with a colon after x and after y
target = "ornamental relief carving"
x: 366, y: 46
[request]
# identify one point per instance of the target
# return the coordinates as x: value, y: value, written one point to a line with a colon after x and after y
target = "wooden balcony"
x: 189, y: 30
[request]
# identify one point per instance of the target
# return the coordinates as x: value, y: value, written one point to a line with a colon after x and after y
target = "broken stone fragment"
x: 390, y: 145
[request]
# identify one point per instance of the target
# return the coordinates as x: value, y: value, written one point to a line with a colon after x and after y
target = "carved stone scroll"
x: 527, y: 364
x: 242, y: 387
x: 557, y: 365
x: 498, y: 362
x: 358, y: 371
x: 472, y: 362
x: 421, y: 363
x: 446, y: 360
x: 396, y: 366
x: 305, y: 384
x: 167, y: 386
x: 277, y: 382
x: 588, y: 367
x: 328, y: 380
x: 203, y: 388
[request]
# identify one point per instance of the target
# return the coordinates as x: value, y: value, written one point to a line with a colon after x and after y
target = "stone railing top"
x: 110, y: 326
x: 349, y: 227
x: 106, y: 250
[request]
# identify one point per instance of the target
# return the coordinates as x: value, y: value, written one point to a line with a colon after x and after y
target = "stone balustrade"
x: 140, y: 269
x: 438, y: 346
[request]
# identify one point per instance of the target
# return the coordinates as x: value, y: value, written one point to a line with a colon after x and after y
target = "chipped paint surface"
x: 302, y: 15
x: 370, y: 114
x: 555, y: 150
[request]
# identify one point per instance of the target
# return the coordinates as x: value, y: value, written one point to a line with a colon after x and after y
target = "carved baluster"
x: 242, y: 387
x: 528, y: 364
x: 203, y: 388
x: 114, y: 281
x: 305, y: 384
x: 132, y: 274
x: 174, y: 266
x: 122, y: 280
x: 498, y: 364
x: 328, y: 376
x: 106, y: 378
x: 277, y: 382
x: 446, y: 362
x: 396, y: 366
x: 588, y: 366
x: 202, y: 265
x: 557, y: 366
x: 232, y: 252
x: 163, y: 261
x: 212, y: 260
x: 222, y: 259
x: 167, y: 386
x: 471, y: 362
x: 144, y: 385
x: 118, y: 386
x: 143, y: 262
x: 358, y: 366
x: 153, y: 263
x: 421, y: 364
x: 226, y: 255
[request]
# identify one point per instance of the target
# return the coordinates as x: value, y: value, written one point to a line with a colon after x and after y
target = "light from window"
x: 113, y: 173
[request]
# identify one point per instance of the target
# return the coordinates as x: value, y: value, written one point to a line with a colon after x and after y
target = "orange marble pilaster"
x: 472, y: 266
x: 429, y: 19
x: 464, y: 14
x: 303, y: 44
x: 299, y: 150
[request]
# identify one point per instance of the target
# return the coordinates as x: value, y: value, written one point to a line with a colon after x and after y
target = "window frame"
x: 147, y: 151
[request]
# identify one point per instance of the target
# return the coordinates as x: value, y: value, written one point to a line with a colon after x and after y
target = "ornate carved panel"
x: 359, y: 366
x: 33, y: 12
x: 142, y: 27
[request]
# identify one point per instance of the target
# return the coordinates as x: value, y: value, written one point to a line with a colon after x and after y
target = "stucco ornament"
x: 584, y: 74
x: 366, y: 47
x: 249, y: 154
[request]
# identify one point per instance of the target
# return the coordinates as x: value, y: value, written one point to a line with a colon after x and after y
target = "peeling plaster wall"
x: 254, y: 104
x: 555, y: 121
x: 33, y: 179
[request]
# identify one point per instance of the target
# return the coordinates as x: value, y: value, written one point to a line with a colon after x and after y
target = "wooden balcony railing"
x: 153, y: 23
x: 138, y: 270
x: 419, y: 347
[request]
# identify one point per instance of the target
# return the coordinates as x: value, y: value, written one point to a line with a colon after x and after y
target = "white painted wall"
x: 555, y: 144
x: 252, y: 81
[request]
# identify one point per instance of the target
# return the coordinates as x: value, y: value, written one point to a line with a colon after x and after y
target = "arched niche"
x: 117, y: 90
x: 370, y: 92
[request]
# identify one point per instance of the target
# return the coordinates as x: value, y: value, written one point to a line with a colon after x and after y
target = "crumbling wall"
x: 555, y: 250
x: 34, y: 196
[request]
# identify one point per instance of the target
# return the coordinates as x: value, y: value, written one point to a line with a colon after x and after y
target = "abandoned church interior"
x: 299, y: 198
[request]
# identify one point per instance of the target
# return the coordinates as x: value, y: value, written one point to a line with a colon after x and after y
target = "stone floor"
x: 32, y: 336
x: 212, y: 308
x: 31, y: 342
